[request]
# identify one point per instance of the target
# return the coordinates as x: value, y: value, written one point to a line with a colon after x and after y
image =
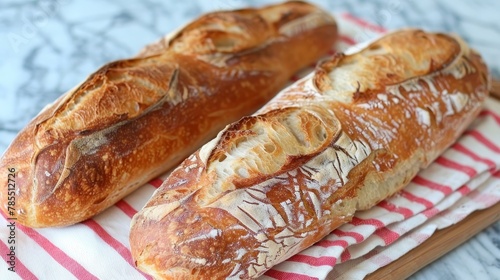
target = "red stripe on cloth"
x: 431, y: 212
x: 126, y: 208
x: 345, y: 256
x: 111, y: 241
x: 313, y: 261
x: 393, y: 208
x: 387, y: 235
x: 485, y: 141
x: 156, y: 183
x: 20, y: 269
x: 491, y: 114
x: 413, y: 198
x: 357, y: 236
x: 432, y: 185
x: 461, y: 148
x: 348, y: 40
x: 57, y: 254
x: 362, y: 23
x: 276, y: 274
x: 373, y: 222
x: 331, y: 243
x: 464, y: 190
x: 456, y: 166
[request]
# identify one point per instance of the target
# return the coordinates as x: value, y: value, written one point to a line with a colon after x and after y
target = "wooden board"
x: 438, y: 244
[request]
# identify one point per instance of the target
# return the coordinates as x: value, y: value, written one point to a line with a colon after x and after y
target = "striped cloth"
x: 464, y: 179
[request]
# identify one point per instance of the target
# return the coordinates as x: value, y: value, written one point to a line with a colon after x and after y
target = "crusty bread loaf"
x: 342, y: 139
x: 134, y: 119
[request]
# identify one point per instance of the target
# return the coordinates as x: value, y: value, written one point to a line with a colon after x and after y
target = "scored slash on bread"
x: 340, y: 140
x: 136, y: 118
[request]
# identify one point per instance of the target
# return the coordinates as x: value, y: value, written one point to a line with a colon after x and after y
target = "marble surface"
x: 49, y: 46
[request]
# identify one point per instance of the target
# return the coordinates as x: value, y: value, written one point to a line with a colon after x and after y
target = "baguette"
x: 134, y: 119
x: 342, y: 139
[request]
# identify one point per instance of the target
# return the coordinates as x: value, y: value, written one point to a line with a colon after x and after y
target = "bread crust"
x: 136, y: 118
x: 344, y: 138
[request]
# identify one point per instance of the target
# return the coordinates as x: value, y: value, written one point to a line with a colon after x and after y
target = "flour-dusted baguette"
x: 134, y: 119
x: 342, y: 139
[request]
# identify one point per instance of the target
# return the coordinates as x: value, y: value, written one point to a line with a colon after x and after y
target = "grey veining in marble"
x: 49, y: 46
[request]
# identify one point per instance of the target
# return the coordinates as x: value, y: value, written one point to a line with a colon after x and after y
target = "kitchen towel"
x: 464, y: 179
